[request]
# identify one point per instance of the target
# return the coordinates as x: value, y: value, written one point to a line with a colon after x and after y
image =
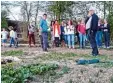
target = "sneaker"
x: 94, y: 54
x: 16, y: 46
x: 34, y: 46
x: 108, y: 47
x: 73, y: 47
x: 30, y: 46
x: 10, y: 45
x: 69, y: 47
x: 45, y: 50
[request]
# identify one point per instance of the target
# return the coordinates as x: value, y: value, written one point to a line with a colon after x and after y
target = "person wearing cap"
x: 92, y: 27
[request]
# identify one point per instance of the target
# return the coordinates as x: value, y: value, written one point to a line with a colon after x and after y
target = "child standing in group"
x: 82, y: 33
x: 4, y: 35
x: 13, y: 36
x: 56, y: 31
x: 71, y: 39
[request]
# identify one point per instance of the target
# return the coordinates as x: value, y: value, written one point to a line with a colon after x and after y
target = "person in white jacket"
x: 70, y: 34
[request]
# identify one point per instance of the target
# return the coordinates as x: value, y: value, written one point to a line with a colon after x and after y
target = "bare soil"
x: 77, y: 73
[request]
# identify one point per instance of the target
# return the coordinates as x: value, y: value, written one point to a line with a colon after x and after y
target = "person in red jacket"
x: 82, y: 33
x: 56, y: 32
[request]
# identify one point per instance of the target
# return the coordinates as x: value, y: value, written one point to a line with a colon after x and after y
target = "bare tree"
x: 37, y: 6
x: 26, y: 10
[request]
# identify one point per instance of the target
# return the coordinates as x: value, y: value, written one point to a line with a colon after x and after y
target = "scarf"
x: 88, y: 24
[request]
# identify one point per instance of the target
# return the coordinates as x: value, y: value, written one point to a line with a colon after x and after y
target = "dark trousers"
x: 78, y: 38
x: 93, y: 43
x: 41, y: 40
x: 45, y: 40
x: 57, y: 41
x: 16, y: 42
x: 31, y: 39
x: 106, y: 38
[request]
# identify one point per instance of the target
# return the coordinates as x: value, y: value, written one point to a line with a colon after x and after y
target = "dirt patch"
x: 77, y: 73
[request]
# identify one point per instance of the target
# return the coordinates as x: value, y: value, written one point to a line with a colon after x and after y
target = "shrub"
x: 10, y: 74
x: 4, y: 23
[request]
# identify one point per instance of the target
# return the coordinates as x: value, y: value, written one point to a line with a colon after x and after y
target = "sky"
x: 15, y: 14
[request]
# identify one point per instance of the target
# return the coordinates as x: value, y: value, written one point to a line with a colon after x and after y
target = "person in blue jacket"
x: 44, y: 32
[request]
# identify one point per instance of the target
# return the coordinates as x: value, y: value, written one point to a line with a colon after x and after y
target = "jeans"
x: 45, y: 40
x: 82, y: 40
x: 106, y: 38
x: 71, y: 40
x: 65, y: 37
x: 4, y: 40
x: 12, y: 41
x: 93, y: 43
x: 78, y: 39
x: 99, y: 38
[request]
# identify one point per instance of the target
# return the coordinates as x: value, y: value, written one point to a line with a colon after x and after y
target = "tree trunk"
x: 36, y: 15
x: 104, y: 10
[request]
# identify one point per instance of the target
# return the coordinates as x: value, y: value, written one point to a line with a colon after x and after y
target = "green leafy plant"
x: 21, y: 74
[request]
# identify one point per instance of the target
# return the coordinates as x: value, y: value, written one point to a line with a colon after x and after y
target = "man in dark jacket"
x: 93, y: 30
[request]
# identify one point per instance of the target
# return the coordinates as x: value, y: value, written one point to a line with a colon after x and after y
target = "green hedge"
x: 4, y: 23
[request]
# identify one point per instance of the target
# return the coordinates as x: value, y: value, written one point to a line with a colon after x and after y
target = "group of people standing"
x: 103, y: 32
x: 64, y: 34
x: 12, y: 36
